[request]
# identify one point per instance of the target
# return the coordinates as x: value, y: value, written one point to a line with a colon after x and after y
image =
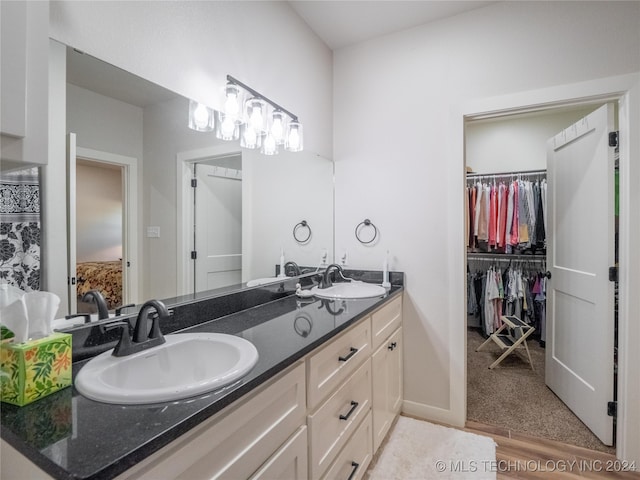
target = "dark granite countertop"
x: 72, y: 437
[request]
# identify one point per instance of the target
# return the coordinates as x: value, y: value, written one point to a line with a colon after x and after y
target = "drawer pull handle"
x: 352, y: 352
x: 392, y: 346
x: 354, y: 405
x: 355, y: 469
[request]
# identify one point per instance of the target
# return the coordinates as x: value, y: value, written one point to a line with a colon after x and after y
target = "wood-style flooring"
x: 524, y: 457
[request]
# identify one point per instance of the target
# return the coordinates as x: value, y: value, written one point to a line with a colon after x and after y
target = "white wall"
x: 98, y: 213
x: 103, y: 123
x: 399, y: 151
x: 283, y: 190
x: 513, y: 143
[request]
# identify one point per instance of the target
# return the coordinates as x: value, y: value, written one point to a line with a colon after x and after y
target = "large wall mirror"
x: 138, y: 214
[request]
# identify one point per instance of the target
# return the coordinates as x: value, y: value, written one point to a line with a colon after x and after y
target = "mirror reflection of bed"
x: 99, y: 232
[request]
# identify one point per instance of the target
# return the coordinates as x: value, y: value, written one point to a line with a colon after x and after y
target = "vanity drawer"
x: 237, y: 441
x: 385, y: 321
x: 289, y: 462
x: 329, y: 367
x: 337, y: 418
x: 353, y: 460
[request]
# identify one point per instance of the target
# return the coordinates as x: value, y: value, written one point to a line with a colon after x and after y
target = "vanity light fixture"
x: 278, y: 126
x: 269, y: 146
x: 226, y: 127
x: 233, y: 102
x: 264, y: 124
x: 201, y: 117
x: 294, y: 141
x: 249, y: 138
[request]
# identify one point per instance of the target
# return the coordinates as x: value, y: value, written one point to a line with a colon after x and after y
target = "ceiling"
x: 343, y: 23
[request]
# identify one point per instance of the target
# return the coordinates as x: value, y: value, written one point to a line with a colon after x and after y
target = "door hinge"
x: 194, y: 182
x: 612, y: 409
x: 613, y: 274
x: 128, y: 264
x: 613, y: 139
x: 194, y: 255
x: 71, y: 280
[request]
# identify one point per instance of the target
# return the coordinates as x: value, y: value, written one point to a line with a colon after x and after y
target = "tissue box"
x: 35, y: 369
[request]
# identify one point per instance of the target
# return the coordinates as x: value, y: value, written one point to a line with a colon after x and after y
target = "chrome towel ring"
x: 298, y: 235
x: 366, y: 223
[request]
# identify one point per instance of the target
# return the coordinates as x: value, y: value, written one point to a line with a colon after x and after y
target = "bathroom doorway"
x: 102, y: 216
x: 513, y: 395
x: 217, y: 222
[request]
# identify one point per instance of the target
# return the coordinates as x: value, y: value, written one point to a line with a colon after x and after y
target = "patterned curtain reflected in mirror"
x: 20, y: 229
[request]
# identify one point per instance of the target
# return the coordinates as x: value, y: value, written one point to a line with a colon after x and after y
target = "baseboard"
x: 429, y: 412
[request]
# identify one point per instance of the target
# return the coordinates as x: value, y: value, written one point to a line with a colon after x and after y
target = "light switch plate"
x: 153, y: 232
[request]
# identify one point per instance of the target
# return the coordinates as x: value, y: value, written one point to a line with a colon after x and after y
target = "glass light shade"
x: 249, y: 138
x: 227, y: 128
x: 269, y: 145
x: 201, y: 117
x: 256, y: 110
x: 233, y: 102
x: 278, y: 126
x: 295, y: 140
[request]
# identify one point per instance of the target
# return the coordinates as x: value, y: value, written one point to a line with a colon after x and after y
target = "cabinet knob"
x: 392, y: 346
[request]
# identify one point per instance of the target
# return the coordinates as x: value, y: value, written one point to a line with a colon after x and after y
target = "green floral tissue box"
x: 35, y: 369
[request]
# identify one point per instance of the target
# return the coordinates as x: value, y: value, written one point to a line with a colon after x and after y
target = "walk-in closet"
x: 508, y: 278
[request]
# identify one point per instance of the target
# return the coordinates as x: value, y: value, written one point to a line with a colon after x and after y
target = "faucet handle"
x: 87, y: 316
x: 124, y: 345
x: 122, y: 307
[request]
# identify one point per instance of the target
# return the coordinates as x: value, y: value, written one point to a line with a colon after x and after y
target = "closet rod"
x: 503, y: 257
x: 507, y: 174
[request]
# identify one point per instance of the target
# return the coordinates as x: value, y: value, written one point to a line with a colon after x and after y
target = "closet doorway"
x: 514, y: 395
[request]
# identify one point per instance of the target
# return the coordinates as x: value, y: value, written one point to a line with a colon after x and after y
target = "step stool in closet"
x: 512, y: 334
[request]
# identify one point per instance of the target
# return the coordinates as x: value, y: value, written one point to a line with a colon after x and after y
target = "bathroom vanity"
x: 324, y: 393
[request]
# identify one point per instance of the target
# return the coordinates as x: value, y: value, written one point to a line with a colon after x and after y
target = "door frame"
x: 130, y: 227
x: 625, y: 89
x: 184, y: 209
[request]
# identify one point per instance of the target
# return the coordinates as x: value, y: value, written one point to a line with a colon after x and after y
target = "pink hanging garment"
x: 503, y: 193
x: 493, y: 216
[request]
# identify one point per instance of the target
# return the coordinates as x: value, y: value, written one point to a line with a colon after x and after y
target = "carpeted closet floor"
x: 513, y: 396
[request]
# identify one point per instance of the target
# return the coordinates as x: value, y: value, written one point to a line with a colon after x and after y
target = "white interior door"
x: 218, y: 227
x: 71, y: 222
x: 580, y: 321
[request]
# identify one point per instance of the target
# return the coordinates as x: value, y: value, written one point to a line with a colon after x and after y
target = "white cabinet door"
x: 580, y: 323
x: 387, y: 386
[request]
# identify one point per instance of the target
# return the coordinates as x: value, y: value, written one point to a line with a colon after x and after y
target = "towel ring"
x: 366, y: 223
x: 296, y: 235
x: 303, y: 325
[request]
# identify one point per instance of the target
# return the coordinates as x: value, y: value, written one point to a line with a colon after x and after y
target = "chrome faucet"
x: 325, y: 279
x: 143, y: 337
x: 94, y: 296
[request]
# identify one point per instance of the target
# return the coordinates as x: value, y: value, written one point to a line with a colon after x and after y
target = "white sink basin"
x: 187, y: 364
x: 349, y: 290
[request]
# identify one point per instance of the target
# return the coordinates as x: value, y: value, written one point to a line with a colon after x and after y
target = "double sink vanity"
x: 315, y: 401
